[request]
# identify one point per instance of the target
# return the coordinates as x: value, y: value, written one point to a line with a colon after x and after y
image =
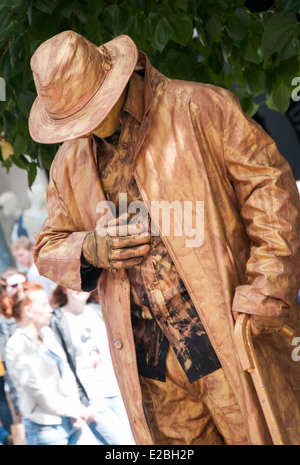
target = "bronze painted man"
x: 133, y: 137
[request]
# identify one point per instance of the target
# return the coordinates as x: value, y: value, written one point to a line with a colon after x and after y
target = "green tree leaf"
x: 162, y: 34
x: 203, y: 51
x: 215, y: 62
x: 11, y: 3
x: 291, y: 6
x: 20, y: 144
x: 46, y: 6
x: 213, y: 27
x: 120, y: 16
x: 8, y: 30
x: 19, y: 161
x: 251, y: 45
x: 278, y: 33
x: 182, y: 27
x: 288, y: 68
x: 31, y: 173
x: 254, y: 79
x: 44, y: 25
x: 9, y: 123
x: 288, y: 6
x: 149, y: 25
x: 237, y: 25
x: 249, y: 106
x: 181, y: 4
x: 25, y: 101
x: 280, y: 98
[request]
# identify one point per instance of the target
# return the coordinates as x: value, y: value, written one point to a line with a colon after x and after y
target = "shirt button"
x: 133, y: 181
x: 118, y: 344
x: 125, y: 145
x: 152, y: 286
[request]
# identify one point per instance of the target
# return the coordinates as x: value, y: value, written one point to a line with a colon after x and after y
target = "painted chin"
x: 106, y: 131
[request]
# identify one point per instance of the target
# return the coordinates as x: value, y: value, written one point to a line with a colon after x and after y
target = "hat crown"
x: 78, y: 83
x: 68, y: 70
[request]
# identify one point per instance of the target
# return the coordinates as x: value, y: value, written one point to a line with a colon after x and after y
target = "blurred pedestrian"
x: 22, y: 250
x: 52, y: 411
x: 4, y: 433
x: 5, y: 412
x: 77, y: 321
x: 10, y: 207
x: 5, y: 438
x: 10, y: 281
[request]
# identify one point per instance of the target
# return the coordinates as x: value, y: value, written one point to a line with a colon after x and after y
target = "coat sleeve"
x: 58, y: 246
x: 269, y: 206
x: 57, y: 249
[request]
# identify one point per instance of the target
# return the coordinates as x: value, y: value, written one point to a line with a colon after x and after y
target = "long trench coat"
x: 195, y: 144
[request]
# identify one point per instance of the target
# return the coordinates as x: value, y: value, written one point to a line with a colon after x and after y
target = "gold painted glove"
x: 116, y: 244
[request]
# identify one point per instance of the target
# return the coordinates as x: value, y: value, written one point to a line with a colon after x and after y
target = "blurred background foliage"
x: 253, y: 51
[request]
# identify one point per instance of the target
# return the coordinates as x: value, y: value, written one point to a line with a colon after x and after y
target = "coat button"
x: 118, y: 344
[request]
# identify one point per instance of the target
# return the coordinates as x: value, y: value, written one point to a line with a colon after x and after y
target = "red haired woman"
x: 48, y: 395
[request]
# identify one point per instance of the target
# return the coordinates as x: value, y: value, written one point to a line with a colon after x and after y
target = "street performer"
x: 184, y: 154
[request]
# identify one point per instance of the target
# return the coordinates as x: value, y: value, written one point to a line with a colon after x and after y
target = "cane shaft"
x: 250, y: 364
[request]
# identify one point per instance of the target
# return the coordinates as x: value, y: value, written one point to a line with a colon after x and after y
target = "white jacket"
x: 45, y: 394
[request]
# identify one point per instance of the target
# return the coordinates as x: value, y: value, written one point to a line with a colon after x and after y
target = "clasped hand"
x: 116, y: 243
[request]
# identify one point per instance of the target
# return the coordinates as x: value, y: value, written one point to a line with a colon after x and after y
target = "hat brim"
x: 46, y: 130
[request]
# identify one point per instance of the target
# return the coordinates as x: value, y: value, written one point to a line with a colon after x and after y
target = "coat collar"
x: 139, y: 106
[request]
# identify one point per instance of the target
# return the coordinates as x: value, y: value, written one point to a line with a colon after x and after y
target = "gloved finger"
x: 128, y: 241
x: 104, y: 223
x: 125, y: 264
x: 126, y: 230
x: 129, y: 252
x: 121, y: 220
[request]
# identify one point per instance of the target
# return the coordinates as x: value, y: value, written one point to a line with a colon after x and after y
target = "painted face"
x: 112, y: 122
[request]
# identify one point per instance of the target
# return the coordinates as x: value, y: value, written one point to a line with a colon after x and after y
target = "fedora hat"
x: 77, y: 84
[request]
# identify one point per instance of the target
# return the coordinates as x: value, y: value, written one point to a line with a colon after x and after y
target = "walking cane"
x: 249, y: 362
